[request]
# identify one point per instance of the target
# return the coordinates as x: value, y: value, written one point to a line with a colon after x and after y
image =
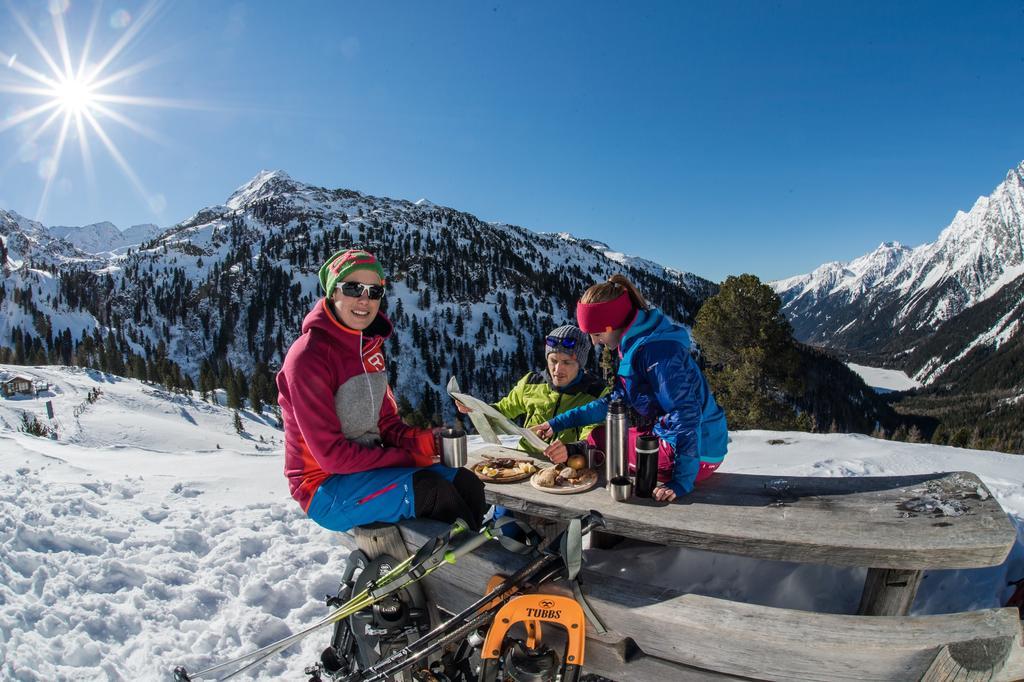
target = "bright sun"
x: 74, y: 95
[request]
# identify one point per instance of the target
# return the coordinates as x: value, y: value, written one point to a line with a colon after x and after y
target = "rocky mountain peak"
x: 265, y: 184
x: 894, y: 298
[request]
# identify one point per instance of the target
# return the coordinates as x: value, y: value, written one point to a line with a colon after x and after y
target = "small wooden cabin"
x: 19, y: 383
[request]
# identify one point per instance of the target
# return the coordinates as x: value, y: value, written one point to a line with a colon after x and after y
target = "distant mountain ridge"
x: 105, y: 237
x: 24, y: 239
x: 912, y: 307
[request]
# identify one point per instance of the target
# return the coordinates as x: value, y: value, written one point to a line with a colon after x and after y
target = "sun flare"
x: 74, y: 98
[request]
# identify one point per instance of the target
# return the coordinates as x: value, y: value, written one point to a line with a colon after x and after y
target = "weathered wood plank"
x: 889, y: 592
x: 742, y: 640
x: 846, y: 521
x: 606, y: 660
x: 380, y: 538
x: 978, y: 660
x: 1015, y: 665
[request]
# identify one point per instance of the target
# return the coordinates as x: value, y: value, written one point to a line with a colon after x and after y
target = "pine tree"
x: 753, y: 365
x: 914, y: 435
x: 231, y: 389
x: 255, y: 399
x: 239, y: 427
x: 961, y: 438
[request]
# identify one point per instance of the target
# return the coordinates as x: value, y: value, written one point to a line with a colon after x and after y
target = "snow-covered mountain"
x: 105, y: 237
x: 896, y: 298
x: 227, y: 288
x: 129, y: 546
x: 23, y: 240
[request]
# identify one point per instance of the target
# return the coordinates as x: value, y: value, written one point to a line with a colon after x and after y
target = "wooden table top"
x: 926, y: 521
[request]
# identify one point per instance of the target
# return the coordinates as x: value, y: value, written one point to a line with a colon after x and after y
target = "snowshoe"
x: 367, y: 636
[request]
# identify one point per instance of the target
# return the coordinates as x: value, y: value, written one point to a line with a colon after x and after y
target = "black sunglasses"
x: 555, y: 342
x: 357, y: 289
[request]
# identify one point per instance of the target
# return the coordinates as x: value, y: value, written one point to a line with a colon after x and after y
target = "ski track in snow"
x: 137, y: 545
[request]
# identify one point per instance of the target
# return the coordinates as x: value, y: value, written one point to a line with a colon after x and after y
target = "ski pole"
x: 389, y: 582
x: 355, y: 604
x: 260, y: 655
x: 450, y: 556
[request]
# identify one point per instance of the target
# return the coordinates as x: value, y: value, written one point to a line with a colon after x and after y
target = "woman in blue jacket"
x: 659, y: 379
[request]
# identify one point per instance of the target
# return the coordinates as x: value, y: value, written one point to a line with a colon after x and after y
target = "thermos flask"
x: 647, y: 446
x: 616, y: 440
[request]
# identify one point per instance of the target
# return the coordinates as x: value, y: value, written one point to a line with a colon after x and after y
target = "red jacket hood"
x: 322, y: 317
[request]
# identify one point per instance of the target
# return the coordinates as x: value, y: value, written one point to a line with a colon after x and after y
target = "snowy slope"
x: 133, y: 544
x: 889, y: 299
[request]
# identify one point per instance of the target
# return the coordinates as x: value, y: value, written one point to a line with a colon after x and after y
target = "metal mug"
x: 595, y: 457
x: 454, y: 452
x: 621, y: 488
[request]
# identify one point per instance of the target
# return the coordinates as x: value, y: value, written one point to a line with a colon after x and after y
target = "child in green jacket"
x: 565, y: 384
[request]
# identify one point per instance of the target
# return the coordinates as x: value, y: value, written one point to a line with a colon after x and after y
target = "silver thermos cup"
x: 616, y: 440
x: 454, y: 452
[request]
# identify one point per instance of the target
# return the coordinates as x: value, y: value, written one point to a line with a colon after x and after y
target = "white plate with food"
x: 565, y: 480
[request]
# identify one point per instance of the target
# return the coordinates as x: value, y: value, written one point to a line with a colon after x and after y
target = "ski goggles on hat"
x: 555, y: 342
x: 356, y: 289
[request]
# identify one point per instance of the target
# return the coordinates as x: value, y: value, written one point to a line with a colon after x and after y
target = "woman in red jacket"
x: 349, y: 458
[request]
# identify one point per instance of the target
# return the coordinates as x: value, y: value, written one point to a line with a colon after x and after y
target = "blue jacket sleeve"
x: 676, y: 382
x: 585, y: 415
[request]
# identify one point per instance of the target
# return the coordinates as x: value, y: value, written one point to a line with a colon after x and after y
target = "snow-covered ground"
x: 134, y: 543
x: 884, y: 380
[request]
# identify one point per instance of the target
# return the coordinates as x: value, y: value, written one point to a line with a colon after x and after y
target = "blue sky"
x: 714, y: 137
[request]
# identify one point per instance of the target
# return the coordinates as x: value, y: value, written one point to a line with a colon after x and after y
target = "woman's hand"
x: 557, y: 452
x: 462, y: 408
x: 543, y: 430
x: 426, y: 447
x: 664, y: 494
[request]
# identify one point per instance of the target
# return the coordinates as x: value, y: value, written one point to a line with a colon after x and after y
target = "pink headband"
x: 594, y: 318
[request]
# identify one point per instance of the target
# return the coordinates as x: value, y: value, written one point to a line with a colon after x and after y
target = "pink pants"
x: 596, y: 439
